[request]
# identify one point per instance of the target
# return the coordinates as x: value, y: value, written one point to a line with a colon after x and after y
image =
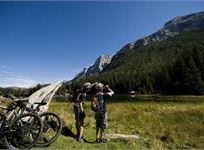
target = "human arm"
x: 81, y: 106
x: 107, y: 91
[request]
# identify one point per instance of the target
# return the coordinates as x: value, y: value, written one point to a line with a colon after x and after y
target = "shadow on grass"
x: 66, y: 131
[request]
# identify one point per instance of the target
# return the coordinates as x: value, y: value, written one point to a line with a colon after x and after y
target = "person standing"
x: 101, y: 115
x: 78, y: 99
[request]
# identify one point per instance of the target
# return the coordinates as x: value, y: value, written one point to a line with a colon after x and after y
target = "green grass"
x: 164, y: 124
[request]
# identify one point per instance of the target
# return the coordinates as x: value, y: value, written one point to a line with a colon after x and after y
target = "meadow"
x: 162, y: 122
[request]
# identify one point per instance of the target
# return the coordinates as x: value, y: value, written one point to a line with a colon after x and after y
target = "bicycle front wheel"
x: 24, y: 132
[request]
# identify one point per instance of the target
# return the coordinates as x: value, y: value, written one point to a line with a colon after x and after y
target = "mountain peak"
x: 100, y: 63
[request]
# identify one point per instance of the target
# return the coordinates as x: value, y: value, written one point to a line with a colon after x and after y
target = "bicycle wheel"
x: 2, y: 129
x: 52, y: 127
x: 2, y: 120
x: 24, y: 132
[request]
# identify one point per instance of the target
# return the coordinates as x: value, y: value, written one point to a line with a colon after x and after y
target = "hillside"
x: 171, y: 28
x: 172, y: 66
x: 169, y: 61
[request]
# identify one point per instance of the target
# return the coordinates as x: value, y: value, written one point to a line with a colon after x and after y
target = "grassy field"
x: 161, y: 122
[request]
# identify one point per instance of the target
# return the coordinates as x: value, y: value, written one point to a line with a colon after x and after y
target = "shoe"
x: 80, y: 139
x: 103, y: 140
x: 84, y: 139
x: 97, y: 141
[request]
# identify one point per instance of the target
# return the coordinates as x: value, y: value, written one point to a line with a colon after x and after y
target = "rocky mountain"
x: 171, y: 66
x: 170, y: 29
x: 173, y: 27
x: 100, y: 63
x: 169, y: 61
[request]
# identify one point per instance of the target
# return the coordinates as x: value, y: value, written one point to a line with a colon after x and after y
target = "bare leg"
x: 103, y: 139
x: 97, y: 133
x: 77, y: 129
x: 81, y: 131
x: 102, y: 133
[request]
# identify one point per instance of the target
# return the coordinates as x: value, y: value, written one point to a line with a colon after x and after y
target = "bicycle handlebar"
x: 41, y: 103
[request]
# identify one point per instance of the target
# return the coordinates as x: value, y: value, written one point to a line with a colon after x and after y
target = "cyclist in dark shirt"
x: 78, y: 99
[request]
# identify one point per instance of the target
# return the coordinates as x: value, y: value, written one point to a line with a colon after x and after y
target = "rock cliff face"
x: 174, y: 26
x: 170, y: 29
x: 100, y: 63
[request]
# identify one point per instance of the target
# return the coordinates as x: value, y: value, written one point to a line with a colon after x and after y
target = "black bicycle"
x: 19, y: 130
x: 52, y: 125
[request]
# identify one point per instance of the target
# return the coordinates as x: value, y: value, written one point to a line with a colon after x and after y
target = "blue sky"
x: 49, y: 41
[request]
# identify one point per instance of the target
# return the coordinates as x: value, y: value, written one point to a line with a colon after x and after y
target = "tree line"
x: 19, y: 92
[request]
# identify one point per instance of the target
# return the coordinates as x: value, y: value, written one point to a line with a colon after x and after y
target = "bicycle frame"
x: 10, y: 115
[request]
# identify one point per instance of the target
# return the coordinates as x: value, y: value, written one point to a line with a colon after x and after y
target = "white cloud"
x: 3, y: 66
x: 8, y: 78
x: 17, y: 82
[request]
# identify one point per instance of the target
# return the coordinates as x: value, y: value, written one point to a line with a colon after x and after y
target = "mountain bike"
x: 52, y: 125
x: 18, y: 130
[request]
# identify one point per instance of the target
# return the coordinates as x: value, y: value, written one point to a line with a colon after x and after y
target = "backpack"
x: 95, y: 105
x: 75, y: 95
x: 78, y: 96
